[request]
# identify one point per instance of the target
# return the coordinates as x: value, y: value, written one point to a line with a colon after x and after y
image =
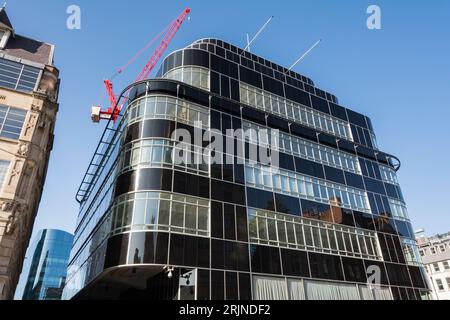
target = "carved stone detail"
x: 24, y: 149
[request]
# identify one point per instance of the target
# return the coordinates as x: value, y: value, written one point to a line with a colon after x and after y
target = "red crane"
x: 114, y: 110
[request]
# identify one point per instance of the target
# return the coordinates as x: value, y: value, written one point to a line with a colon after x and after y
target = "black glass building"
x: 45, y: 270
x: 329, y: 223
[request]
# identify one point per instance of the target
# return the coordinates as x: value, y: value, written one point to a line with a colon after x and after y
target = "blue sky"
x: 399, y: 76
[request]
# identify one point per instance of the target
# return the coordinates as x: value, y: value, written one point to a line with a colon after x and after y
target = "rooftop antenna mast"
x: 249, y: 43
x: 305, y: 54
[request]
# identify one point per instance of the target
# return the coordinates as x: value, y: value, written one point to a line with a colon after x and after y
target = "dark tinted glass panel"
x: 228, y: 172
x: 158, y: 129
x: 325, y: 266
x: 215, y: 83
x: 309, y: 168
x: 286, y: 204
x: 295, y: 263
x: 239, y: 173
x: 189, y: 251
x: 374, y: 186
x: 227, y: 192
x: 164, y: 86
x: 368, y: 139
x: 391, y: 191
x: 148, y: 247
x: 196, y: 58
x: 217, y: 285
x: 334, y: 175
x: 116, y: 252
x: 418, y: 277
x: 260, y: 199
x: 235, y: 256
x: 155, y: 179
x: 398, y: 275
x: 277, y: 123
x: 314, y: 210
x: 265, y: 259
x: 215, y: 120
x: 229, y: 222
x: 392, y: 248
x: 244, y: 286
x: 191, y: 184
x: 133, y: 132
x: 297, y: 95
x: 364, y: 220
x: 251, y: 77
x: 366, y: 152
x: 343, y: 216
x: 225, y: 86
x: 286, y: 161
x: 224, y: 66
x: 253, y: 115
x: 304, y: 132
x: 403, y: 229
x: 354, y: 270
x: 231, y: 286
x: 125, y: 183
x: 241, y: 224
x: 328, y: 140
x: 354, y: 180
x: 234, y: 90
x: 338, y: 111
x: 320, y: 104
x: 178, y: 59
x: 362, y: 137
x: 384, y: 247
x: 346, y: 146
x: 356, y: 118
x: 216, y: 220
x: 273, y: 86
x: 202, y: 284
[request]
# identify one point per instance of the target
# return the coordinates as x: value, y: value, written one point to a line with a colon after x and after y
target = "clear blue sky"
x: 399, y: 76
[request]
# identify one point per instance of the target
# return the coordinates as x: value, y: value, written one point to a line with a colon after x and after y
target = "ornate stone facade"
x: 28, y: 157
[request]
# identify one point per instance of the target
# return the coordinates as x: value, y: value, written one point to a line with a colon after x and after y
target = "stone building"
x: 28, y: 106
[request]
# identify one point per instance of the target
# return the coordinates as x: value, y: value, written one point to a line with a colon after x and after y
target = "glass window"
x: 151, y: 216
x: 4, y: 167
x: 164, y: 212
x: 436, y: 267
x: 440, y: 285
x: 139, y: 212
x: 11, y: 122
x: 16, y: 76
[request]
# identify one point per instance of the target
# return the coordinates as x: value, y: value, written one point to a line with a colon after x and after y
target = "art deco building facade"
x: 28, y: 106
x: 435, y: 254
x: 45, y: 269
x: 316, y: 227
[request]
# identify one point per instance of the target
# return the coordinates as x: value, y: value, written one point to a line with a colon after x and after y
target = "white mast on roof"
x: 249, y: 43
x: 305, y: 54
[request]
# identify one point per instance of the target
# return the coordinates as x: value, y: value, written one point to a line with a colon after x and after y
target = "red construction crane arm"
x: 111, y: 96
x: 113, y: 111
x: 163, y: 45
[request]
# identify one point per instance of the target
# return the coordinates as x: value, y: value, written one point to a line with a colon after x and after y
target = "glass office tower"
x: 45, y: 268
x: 329, y: 222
